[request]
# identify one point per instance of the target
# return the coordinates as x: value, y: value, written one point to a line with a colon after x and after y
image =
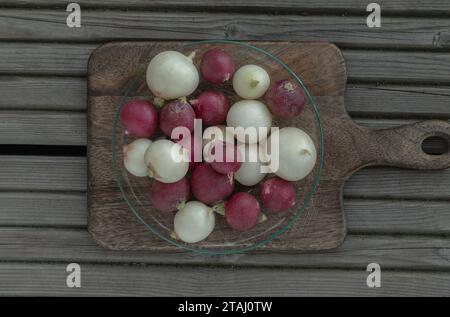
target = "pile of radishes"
x: 185, y: 167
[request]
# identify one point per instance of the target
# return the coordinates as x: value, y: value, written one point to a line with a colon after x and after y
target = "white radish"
x: 167, y: 162
x: 133, y: 157
x: 297, y: 153
x: 194, y: 222
x: 172, y: 75
x: 252, y: 115
x: 250, y: 172
x: 251, y: 81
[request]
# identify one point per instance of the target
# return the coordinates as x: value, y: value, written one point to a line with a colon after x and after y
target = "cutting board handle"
x: 402, y: 146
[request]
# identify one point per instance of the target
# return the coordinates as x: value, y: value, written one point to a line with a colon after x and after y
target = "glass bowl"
x: 223, y: 240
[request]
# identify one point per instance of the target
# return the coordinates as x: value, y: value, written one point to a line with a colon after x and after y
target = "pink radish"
x: 169, y: 197
x: 139, y: 118
x: 285, y: 99
x: 212, y: 107
x: 217, y: 66
x: 242, y: 211
x: 177, y: 113
x: 210, y: 187
x: 225, y: 158
x: 277, y: 194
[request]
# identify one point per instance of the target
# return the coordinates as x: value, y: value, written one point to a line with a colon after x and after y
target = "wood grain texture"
x: 397, y: 216
x: 43, y: 209
x: 42, y: 93
x: 404, y: 7
x: 401, y: 101
x: 45, y: 173
x: 42, y: 173
x: 47, y: 209
x: 349, y: 31
x: 363, y: 65
x: 42, y: 127
x: 114, y: 227
x: 69, y: 128
x: 75, y: 245
x: 66, y: 93
x: 20, y: 279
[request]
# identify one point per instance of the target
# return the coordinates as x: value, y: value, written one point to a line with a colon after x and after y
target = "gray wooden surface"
x: 398, y: 73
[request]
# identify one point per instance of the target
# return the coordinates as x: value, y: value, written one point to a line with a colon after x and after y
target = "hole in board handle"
x: 436, y: 144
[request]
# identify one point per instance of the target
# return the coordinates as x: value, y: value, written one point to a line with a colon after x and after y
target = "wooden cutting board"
x: 348, y: 146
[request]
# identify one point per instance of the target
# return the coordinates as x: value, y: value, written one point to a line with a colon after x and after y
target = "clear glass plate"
x: 223, y: 240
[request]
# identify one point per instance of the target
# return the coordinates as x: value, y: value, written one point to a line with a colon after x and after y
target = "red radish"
x: 139, y: 118
x: 242, y: 211
x: 168, y: 197
x: 225, y: 157
x: 177, y: 113
x: 193, y: 145
x: 210, y: 187
x: 212, y: 107
x: 277, y: 194
x: 285, y: 99
x: 217, y: 66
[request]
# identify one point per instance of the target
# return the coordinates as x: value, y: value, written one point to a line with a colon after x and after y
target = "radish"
x: 210, y: 187
x: 169, y: 197
x: 277, y: 194
x: 217, y: 66
x: 139, y: 118
x: 296, y: 153
x: 251, y: 81
x: 285, y: 99
x: 177, y: 113
x: 172, y: 75
x: 167, y: 161
x: 194, y: 222
x: 252, y: 116
x: 212, y: 107
x: 133, y: 155
x: 226, y: 158
x: 242, y: 211
x: 249, y: 173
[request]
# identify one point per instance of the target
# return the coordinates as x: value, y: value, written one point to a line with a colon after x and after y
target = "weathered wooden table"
x: 397, y: 73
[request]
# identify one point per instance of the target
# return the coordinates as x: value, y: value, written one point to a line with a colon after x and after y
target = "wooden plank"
x: 395, y: 66
x: 364, y: 65
x: 43, y: 209
x: 42, y: 173
x: 74, y: 245
x: 398, y: 101
x: 42, y: 127
x: 65, y: 93
x: 69, y: 174
x: 404, y: 7
x: 397, y: 216
x: 349, y: 31
x: 42, y: 93
x: 69, y: 128
x: 44, y: 279
x: 363, y: 215
x: 396, y: 183
x: 44, y: 58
